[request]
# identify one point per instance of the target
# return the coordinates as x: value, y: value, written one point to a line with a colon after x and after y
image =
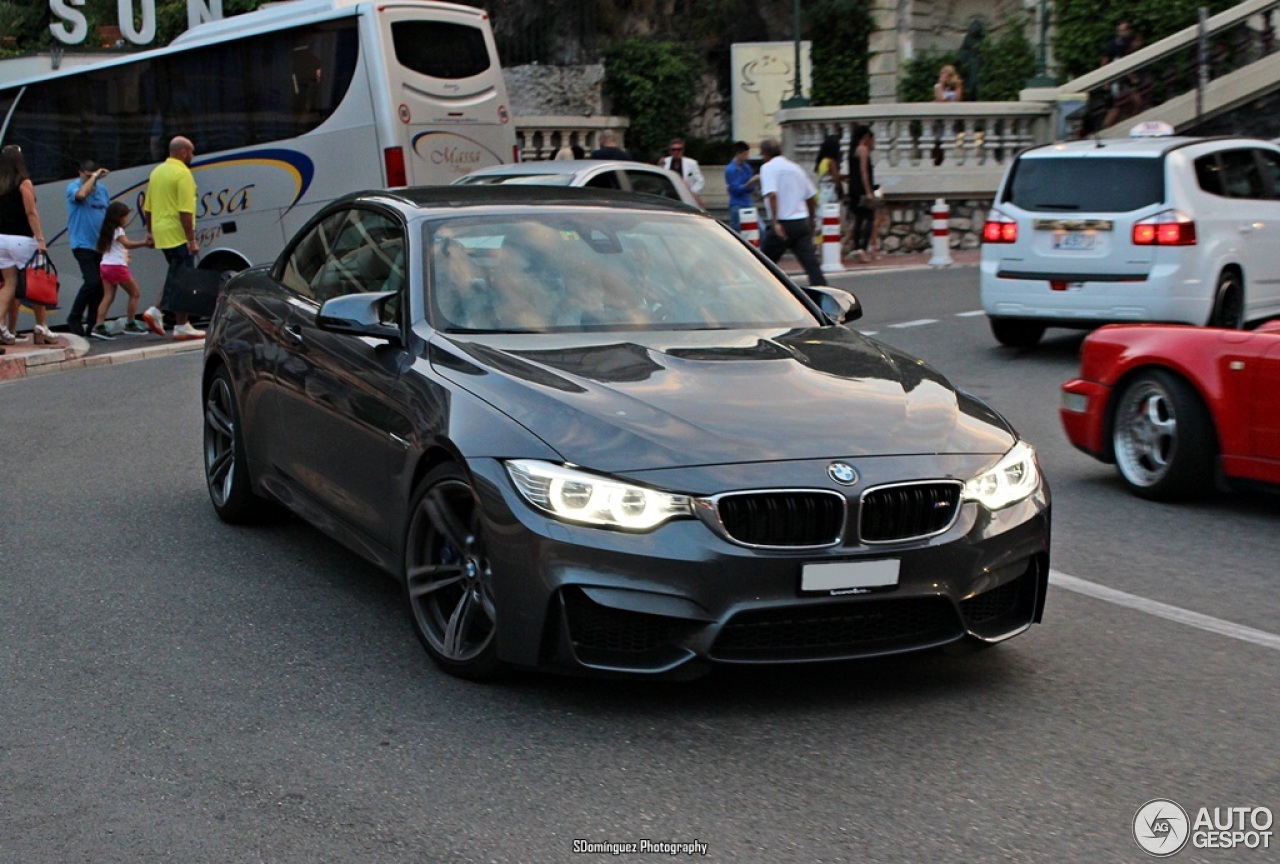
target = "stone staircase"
x: 1175, y: 83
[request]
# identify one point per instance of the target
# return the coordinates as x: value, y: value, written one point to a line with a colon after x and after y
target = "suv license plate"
x: 1074, y: 242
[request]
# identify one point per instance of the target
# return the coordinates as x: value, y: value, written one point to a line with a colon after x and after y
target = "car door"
x: 1256, y: 219
x: 1265, y: 404
x: 342, y: 424
x: 1262, y: 292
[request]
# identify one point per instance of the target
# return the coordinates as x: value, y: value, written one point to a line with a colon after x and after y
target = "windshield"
x: 600, y: 271
x: 1093, y: 184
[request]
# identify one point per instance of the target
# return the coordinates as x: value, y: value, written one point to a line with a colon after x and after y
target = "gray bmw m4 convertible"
x: 597, y: 432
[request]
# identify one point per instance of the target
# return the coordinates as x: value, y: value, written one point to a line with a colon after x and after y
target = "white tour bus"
x: 289, y: 107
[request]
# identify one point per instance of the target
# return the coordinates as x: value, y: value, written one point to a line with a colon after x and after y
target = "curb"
x: 27, y: 361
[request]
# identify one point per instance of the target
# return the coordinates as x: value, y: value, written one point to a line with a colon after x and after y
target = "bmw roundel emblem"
x: 842, y: 473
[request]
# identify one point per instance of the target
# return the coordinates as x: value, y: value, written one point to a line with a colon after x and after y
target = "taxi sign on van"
x: 1151, y: 129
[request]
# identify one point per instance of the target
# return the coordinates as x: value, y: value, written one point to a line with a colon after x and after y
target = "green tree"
x: 839, y: 30
x: 171, y: 16
x: 1085, y: 26
x: 1005, y: 63
x: 654, y: 84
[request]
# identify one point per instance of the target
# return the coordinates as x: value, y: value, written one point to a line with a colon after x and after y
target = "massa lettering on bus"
x: 228, y: 182
x: 455, y: 152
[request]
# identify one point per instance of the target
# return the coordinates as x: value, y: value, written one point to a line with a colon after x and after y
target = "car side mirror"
x: 837, y: 304
x: 359, y: 315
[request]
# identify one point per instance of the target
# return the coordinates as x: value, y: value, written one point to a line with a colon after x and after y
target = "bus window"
x: 440, y: 49
x: 223, y: 97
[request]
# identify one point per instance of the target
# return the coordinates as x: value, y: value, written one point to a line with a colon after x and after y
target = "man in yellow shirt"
x: 170, y: 210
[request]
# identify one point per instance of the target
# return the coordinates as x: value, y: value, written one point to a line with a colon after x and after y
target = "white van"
x: 1177, y: 229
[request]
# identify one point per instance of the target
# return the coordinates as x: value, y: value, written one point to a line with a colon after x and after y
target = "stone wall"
x: 536, y: 90
x: 909, y: 227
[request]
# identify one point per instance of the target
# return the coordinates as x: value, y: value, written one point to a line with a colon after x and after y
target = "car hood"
x: 638, y: 401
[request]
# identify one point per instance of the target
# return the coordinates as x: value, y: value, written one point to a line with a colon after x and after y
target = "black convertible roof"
x: 430, y: 197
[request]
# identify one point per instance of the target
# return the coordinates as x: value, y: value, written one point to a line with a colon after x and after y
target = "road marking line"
x: 868, y: 332
x: 974, y: 314
x: 1164, y: 610
x: 918, y: 323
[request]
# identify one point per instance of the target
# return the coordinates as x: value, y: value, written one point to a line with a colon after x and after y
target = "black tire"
x: 226, y: 469
x: 1016, y: 332
x: 447, y: 576
x: 1228, y: 302
x: 1163, y: 437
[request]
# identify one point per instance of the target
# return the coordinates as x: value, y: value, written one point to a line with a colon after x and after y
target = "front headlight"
x: 590, y: 499
x: 1013, y: 478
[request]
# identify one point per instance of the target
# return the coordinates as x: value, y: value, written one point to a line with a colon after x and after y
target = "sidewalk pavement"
x: 25, y: 360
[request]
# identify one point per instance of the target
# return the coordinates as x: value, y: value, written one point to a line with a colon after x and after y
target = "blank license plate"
x: 845, y: 575
x: 1074, y: 242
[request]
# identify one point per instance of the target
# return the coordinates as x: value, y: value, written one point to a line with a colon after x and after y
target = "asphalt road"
x: 178, y: 690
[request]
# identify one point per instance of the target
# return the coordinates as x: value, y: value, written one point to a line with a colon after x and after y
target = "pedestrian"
x: 87, y: 201
x: 113, y: 246
x: 20, y: 238
x: 949, y: 87
x: 687, y: 168
x: 1124, y: 96
x: 740, y: 179
x: 830, y: 184
x: 609, y: 148
x: 791, y: 201
x: 862, y: 192
x: 170, y: 208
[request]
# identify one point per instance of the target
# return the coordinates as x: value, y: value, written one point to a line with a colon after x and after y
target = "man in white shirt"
x: 791, y: 202
x: 687, y: 168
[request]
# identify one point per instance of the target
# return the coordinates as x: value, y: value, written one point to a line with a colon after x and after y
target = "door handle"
x: 294, y: 332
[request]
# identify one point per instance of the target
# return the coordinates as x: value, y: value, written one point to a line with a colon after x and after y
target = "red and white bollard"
x: 831, y: 261
x: 941, y: 235
x: 749, y: 222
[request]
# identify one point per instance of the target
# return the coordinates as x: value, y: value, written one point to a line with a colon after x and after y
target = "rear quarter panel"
x: 1205, y: 357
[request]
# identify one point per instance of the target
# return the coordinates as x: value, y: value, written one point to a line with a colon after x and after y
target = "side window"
x: 1271, y: 172
x: 367, y: 256
x: 605, y: 180
x: 1241, y: 177
x: 231, y: 94
x: 309, y: 255
x: 1209, y: 174
x: 653, y: 184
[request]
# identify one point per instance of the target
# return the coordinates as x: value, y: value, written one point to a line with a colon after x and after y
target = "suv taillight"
x: 999, y: 228
x: 1170, y: 228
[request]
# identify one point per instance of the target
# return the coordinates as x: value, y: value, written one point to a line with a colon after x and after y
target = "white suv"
x: 1154, y: 229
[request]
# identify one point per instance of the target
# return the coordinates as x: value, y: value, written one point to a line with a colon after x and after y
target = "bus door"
x: 447, y: 97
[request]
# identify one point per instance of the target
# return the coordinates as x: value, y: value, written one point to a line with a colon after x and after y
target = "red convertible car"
x: 1178, y: 408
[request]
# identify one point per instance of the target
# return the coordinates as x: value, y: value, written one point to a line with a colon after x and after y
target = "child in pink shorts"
x: 115, y: 246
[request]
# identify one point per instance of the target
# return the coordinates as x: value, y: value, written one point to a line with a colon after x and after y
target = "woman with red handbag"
x: 20, y: 238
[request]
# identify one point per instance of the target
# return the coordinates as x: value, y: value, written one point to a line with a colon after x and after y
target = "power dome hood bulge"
x: 636, y: 401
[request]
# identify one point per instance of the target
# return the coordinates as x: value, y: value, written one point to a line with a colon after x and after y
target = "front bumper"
x: 679, y: 600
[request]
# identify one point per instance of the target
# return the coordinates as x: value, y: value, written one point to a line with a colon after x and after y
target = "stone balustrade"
x: 539, y: 137
x: 926, y: 150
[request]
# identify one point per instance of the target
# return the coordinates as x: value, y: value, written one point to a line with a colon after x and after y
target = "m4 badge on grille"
x: 842, y: 473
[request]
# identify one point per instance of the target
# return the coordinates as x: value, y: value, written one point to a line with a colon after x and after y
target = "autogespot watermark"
x: 639, y: 847
x: 1163, y: 828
